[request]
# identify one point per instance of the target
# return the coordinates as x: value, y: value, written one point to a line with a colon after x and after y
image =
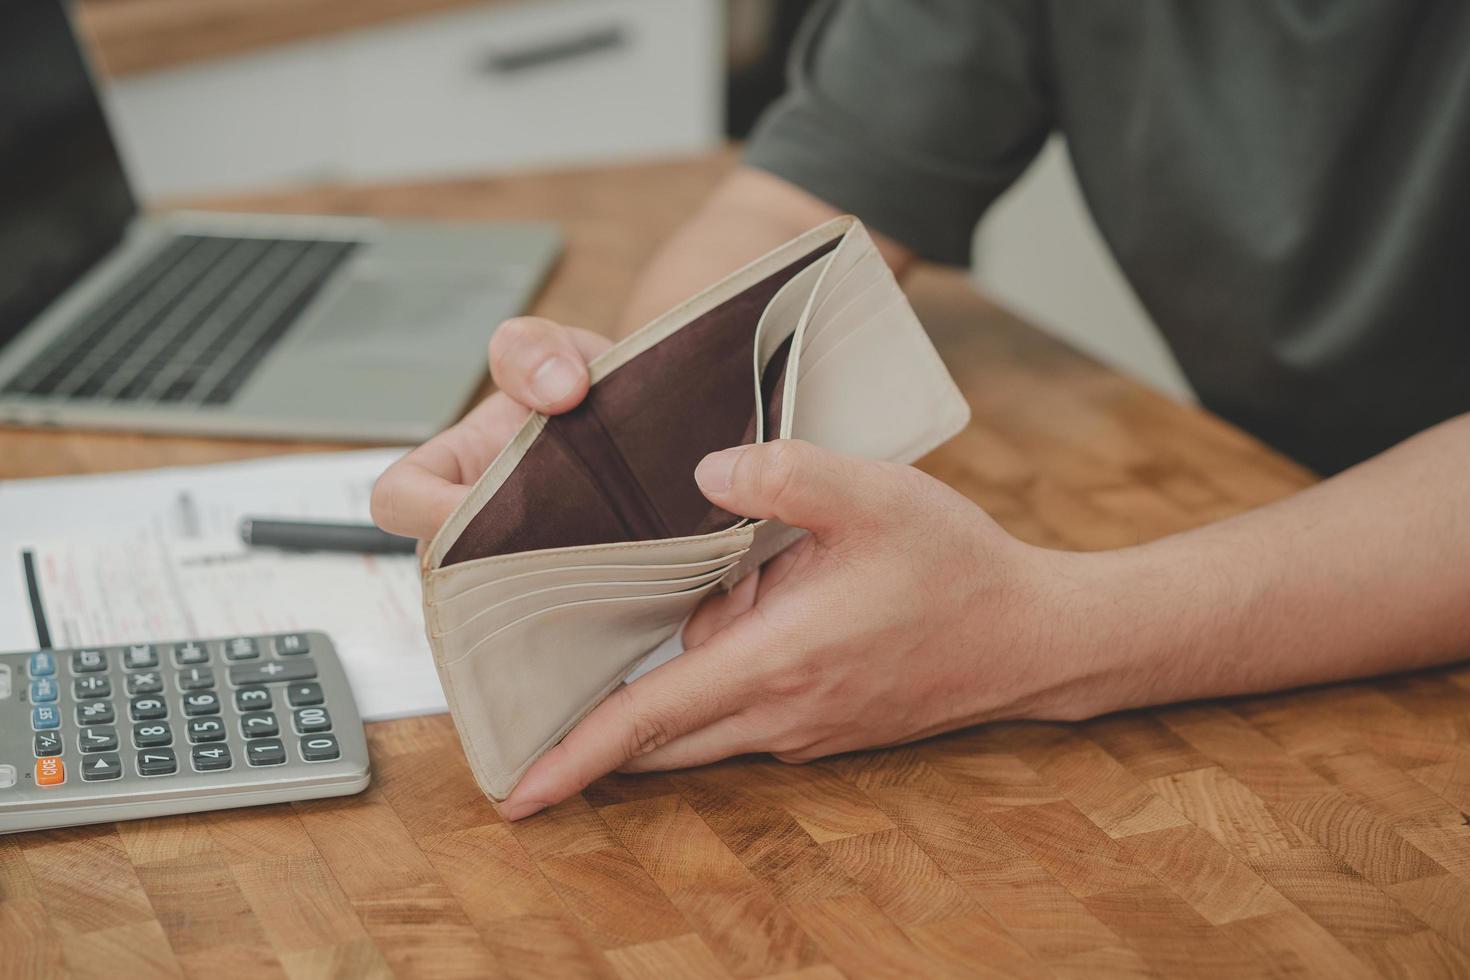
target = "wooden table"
x: 1319, y: 832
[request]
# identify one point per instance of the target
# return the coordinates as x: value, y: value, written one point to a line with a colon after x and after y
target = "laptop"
x: 249, y: 325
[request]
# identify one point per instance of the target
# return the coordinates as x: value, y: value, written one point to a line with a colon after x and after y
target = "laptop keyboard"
x: 189, y: 326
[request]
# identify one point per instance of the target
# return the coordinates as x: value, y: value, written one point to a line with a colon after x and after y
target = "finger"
x: 413, y: 497
x: 684, y: 695
x: 417, y: 493
x: 730, y: 736
x: 796, y: 483
x: 543, y: 364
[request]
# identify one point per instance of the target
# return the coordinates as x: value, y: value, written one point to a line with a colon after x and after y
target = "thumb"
x: 794, y: 482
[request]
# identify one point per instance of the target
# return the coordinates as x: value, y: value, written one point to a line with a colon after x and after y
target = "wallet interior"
x: 620, y: 466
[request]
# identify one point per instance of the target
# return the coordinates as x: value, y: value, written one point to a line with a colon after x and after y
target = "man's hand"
x: 537, y: 364
x: 905, y: 613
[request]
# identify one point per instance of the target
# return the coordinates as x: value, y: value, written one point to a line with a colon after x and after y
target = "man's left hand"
x: 906, y: 612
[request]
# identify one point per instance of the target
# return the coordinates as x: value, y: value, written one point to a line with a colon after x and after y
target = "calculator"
x: 106, y: 733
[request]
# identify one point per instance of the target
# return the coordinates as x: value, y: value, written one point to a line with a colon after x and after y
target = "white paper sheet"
x: 155, y: 555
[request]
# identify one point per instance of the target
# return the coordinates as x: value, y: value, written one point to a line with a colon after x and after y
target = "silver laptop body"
x: 193, y: 322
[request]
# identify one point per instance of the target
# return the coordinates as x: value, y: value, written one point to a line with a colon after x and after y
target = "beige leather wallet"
x: 587, y: 543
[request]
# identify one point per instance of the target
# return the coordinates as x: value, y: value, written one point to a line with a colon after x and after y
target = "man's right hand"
x: 536, y: 364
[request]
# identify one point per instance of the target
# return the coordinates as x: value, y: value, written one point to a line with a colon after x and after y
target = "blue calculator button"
x: 43, y: 664
x: 45, y: 716
x: 43, y: 689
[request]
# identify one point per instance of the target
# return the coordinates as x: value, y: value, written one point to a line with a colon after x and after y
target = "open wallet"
x: 587, y: 543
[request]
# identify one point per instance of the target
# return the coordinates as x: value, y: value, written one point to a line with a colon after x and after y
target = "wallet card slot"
x: 492, y: 589
x: 492, y: 617
x: 468, y: 647
x: 515, y: 698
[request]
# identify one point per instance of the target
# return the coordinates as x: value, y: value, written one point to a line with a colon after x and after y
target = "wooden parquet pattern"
x: 1314, y: 833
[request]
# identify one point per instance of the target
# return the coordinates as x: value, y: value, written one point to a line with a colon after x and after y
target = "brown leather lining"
x: 620, y: 466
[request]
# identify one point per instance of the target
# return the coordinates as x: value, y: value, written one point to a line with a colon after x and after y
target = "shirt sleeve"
x: 913, y: 115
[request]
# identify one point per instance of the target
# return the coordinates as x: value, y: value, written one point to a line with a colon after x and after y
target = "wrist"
x: 1098, y: 632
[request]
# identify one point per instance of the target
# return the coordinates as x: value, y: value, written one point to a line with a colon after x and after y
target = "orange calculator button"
x: 50, y: 772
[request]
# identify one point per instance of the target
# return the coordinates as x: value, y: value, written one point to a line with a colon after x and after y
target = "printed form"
x: 156, y: 555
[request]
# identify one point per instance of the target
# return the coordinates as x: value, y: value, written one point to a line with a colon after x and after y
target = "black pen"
x: 264, y: 532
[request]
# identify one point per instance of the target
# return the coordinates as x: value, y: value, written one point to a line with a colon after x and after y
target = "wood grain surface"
x: 1314, y: 833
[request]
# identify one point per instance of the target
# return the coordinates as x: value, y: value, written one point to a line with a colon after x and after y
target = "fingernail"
x: 555, y: 380
x: 713, y: 474
x: 520, y: 809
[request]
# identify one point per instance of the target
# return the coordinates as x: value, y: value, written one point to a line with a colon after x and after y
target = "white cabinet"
x: 487, y: 87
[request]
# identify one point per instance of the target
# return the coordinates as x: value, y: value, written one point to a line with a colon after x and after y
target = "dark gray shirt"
x: 1286, y: 183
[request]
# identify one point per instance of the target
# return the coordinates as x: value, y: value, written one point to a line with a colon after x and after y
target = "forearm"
x: 1362, y: 574
x: 749, y: 214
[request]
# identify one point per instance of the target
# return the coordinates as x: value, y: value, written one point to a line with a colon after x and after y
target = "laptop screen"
x: 64, y: 199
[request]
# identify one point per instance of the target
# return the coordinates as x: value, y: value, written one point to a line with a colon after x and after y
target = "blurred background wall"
x: 213, y: 96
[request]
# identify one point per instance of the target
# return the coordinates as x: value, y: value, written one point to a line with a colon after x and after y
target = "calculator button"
x: 91, y: 687
x: 201, y: 703
x: 196, y: 679
x: 50, y: 771
x: 48, y: 743
x: 242, y: 675
x: 265, y: 752
x: 157, y: 762
x: 43, y: 689
x: 148, y: 709
x: 150, y: 734
x: 208, y: 758
x: 8, y: 776
x: 319, y: 748
x: 140, y: 656
x: 96, y: 713
x: 145, y: 682
x: 98, y: 767
x: 190, y: 654
x: 88, y: 661
x: 42, y: 664
x: 6, y: 686
x: 305, y: 694
x: 100, y: 738
x: 260, y: 724
x: 252, y: 698
x: 241, y: 648
x: 45, y: 716
x: 206, y: 730
x: 291, y: 644
x: 309, y: 721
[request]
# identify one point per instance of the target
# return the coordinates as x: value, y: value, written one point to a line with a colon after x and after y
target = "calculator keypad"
x: 175, y: 714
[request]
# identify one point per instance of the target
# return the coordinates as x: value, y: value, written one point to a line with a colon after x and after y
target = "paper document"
x: 156, y: 555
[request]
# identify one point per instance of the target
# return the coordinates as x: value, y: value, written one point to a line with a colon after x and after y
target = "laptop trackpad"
x: 375, y: 318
